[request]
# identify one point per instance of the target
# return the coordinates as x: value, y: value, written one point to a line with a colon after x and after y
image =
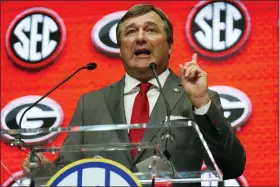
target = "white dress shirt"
x: 131, y: 90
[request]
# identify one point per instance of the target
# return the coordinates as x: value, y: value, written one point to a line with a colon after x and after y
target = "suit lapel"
x: 114, y: 98
x: 173, y: 91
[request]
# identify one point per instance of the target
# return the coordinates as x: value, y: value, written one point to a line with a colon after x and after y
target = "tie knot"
x: 144, y: 87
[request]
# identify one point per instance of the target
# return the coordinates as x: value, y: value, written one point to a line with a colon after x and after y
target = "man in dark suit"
x: 145, y: 36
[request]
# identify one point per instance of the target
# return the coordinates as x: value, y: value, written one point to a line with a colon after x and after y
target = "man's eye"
x: 130, y: 32
x: 151, y: 30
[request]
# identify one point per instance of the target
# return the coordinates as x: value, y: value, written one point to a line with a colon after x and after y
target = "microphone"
x: 153, y: 67
x: 91, y: 66
x: 17, y: 141
x: 167, y: 135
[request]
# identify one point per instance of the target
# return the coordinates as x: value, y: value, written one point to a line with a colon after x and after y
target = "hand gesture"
x: 44, y: 165
x: 194, y: 81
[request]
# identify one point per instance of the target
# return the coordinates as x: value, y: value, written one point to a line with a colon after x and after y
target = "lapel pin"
x: 176, y: 90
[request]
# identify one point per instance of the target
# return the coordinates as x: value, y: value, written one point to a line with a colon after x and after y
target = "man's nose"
x: 141, y: 38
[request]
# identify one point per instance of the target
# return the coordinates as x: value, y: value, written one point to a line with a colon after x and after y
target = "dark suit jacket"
x: 106, y: 106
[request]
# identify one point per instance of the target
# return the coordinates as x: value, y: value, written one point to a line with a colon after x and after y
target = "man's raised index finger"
x: 194, y: 58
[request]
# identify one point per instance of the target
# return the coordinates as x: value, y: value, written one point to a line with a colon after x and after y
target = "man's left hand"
x: 194, y: 81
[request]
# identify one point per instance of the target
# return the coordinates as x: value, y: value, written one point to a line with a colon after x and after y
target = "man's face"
x: 143, y: 41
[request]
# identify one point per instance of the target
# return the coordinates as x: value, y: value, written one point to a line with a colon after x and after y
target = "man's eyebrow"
x: 151, y: 23
x: 146, y: 23
x: 130, y: 25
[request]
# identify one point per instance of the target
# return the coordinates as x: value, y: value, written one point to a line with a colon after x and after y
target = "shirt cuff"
x: 202, y: 110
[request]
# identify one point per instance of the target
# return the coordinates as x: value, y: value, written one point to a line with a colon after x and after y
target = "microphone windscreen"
x: 91, y: 66
x: 152, y: 66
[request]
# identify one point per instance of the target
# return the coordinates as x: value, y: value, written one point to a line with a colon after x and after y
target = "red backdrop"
x: 254, y: 70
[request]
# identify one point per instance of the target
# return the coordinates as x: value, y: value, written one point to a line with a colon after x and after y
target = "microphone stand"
x: 18, y: 140
x: 33, y: 167
x: 167, y: 134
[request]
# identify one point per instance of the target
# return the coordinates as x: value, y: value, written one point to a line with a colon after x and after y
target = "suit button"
x: 218, y: 129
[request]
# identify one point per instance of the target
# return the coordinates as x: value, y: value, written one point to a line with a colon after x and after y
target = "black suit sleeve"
x: 226, y: 148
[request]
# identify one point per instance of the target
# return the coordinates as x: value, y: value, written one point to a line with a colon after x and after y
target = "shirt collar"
x: 131, y: 83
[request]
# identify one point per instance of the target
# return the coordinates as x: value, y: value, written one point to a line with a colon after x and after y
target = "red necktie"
x: 140, y: 114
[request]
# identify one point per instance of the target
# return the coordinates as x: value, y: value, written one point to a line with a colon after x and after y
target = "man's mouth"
x: 142, y: 52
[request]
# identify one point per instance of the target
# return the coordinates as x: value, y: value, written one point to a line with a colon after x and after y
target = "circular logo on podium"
x: 94, y: 172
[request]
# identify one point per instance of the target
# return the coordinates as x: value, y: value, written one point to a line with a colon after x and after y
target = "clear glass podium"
x: 169, y: 153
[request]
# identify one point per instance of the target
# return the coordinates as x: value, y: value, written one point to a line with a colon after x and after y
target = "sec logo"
x: 94, y: 172
x: 35, y: 38
x: 218, y: 29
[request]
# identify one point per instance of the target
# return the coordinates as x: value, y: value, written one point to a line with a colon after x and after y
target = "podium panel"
x: 100, y: 155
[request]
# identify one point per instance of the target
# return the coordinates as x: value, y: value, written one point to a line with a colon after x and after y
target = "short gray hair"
x: 141, y: 9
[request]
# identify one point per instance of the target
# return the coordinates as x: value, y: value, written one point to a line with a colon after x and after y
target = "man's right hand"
x: 44, y: 165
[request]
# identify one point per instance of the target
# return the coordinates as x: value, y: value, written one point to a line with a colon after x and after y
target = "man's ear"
x: 170, y: 49
x: 120, y: 50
